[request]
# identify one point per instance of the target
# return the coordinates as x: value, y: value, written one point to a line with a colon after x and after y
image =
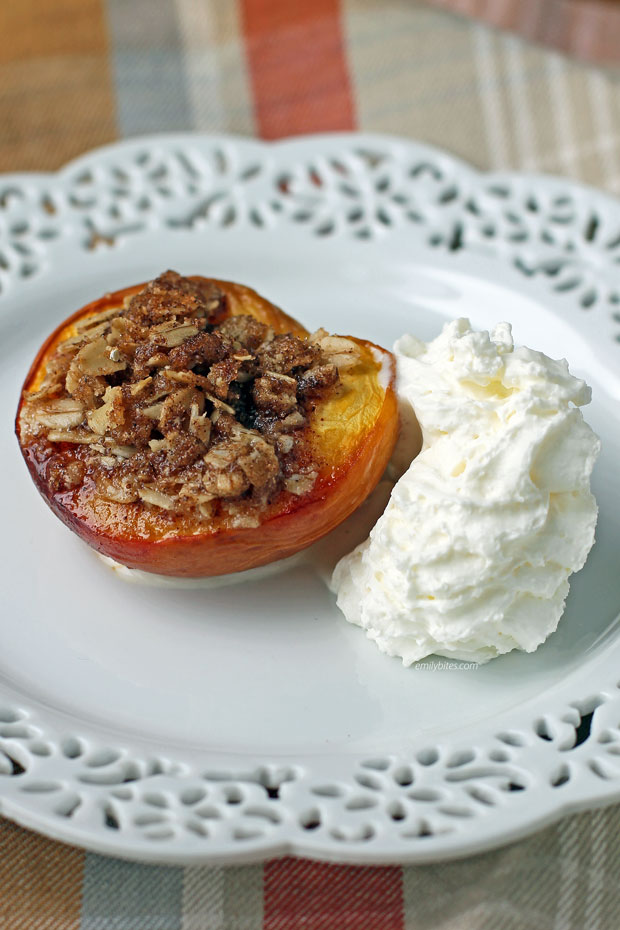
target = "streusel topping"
x: 168, y: 401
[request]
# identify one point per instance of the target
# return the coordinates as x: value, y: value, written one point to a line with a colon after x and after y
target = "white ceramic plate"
x: 250, y: 721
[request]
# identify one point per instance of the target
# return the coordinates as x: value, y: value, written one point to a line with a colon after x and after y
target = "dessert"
x: 472, y: 555
x: 188, y: 427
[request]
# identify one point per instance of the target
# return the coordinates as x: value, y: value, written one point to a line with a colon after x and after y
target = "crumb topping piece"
x: 168, y: 401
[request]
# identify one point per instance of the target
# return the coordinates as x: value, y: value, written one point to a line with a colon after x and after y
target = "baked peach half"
x: 188, y: 427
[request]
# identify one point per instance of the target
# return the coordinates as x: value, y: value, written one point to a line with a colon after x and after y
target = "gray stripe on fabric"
x: 119, y: 895
x: 203, y: 898
x: 149, y: 71
x: 244, y: 897
x: 228, y: 898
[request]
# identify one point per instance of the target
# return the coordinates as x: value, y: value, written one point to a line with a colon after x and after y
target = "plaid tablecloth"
x: 78, y: 73
x: 587, y: 29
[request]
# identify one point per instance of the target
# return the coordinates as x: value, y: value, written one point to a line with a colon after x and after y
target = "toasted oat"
x: 179, y: 334
x: 88, y: 322
x: 123, y: 452
x: 340, y: 351
x: 280, y: 377
x: 155, y: 497
x: 121, y: 493
x: 175, y: 410
x: 293, y: 421
x: 75, y: 435
x: 158, y: 360
x: 153, y: 411
x: 94, y: 359
x: 301, y: 483
x: 83, y: 335
x: 199, y: 424
x: 98, y: 420
x: 205, y: 508
x: 103, y: 418
x: 140, y: 386
x: 60, y: 413
x: 219, y: 403
x: 158, y: 445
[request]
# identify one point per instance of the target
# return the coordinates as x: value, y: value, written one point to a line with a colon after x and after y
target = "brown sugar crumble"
x: 170, y: 402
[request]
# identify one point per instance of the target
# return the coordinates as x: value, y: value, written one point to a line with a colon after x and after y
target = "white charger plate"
x: 248, y: 721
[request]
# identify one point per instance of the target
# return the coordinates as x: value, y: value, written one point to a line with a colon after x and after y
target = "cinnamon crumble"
x: 169, y: 402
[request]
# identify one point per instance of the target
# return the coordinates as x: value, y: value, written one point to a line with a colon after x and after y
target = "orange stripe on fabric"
x: 38, y: 27
x: 40, y: 881
x: 56, y: 92
x: 303, y: 895
x: 297, y: 64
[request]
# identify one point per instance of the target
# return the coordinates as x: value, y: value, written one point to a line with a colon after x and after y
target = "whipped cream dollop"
x: 472, y: 555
